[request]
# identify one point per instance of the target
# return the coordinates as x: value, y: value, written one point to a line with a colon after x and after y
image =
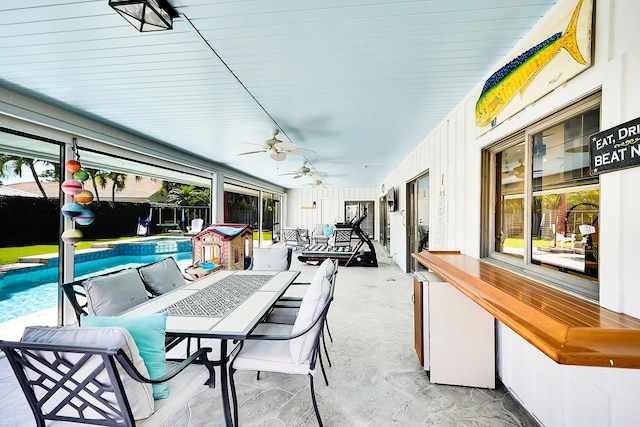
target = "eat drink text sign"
x: 615, y: 148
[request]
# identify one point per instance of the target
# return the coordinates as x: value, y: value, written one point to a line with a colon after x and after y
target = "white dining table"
x: 242, y: 298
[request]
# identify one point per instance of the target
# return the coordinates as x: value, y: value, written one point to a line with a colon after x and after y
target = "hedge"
x: 35, y: 221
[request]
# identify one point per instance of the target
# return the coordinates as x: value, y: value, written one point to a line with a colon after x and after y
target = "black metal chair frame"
x: 314, y: 355
x: 86, y: 392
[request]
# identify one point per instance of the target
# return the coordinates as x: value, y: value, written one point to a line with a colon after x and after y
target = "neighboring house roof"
x: 8, y: 191
x: 145, y: 190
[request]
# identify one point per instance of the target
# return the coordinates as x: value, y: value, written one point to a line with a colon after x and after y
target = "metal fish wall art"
x: 517, y: 75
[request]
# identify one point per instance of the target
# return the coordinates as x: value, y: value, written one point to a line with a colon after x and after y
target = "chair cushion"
x: 269, y: 355
x: 162, y: 276
x: 271, y: 259
x: 149, y: 334
x: 140, y: 395
x: 182, y: 387
x: 326, y: 269
x: 302, y: 346
x: 111, y: 294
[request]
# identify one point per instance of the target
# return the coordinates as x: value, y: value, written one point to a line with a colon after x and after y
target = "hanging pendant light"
x: 146, y: 15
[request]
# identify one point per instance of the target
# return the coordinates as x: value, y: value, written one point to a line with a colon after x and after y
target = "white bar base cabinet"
x: 454, y: 336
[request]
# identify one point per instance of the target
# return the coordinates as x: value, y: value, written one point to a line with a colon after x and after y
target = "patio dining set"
x: 148, y: 339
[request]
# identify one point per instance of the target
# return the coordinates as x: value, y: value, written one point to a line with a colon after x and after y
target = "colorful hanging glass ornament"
x: 71, y: 236
x: 71, y: 186
x: 82, y: 175
x: 86, y: 217
x: 83, y: 197
x: 71, y: 210
x: 72, y: 166
x: 75, y: 187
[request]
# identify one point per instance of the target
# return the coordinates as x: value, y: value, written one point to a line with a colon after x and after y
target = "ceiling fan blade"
x: 263, y: 146
x: 250, y: 152
x: 316, y: 173
x: 285, y: 146
x: 301, y: 152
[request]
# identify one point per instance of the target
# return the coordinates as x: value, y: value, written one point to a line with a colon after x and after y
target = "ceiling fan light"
x: 146, y: 15
x: 277, y: 156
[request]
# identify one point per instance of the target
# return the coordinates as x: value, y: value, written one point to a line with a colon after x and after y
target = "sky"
x: 26, y: 175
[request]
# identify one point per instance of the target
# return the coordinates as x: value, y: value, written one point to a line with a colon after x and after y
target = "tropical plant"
x: 52, y: 174
x: 189, y: 195
x: 98, y: 177
x: 118, y: 182
x: 12, y: 165
x: 166, y: 187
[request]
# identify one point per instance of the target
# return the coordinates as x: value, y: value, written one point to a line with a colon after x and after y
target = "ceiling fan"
x: 278, y: 150
x: 517, y: 171
x: 318, y: 183
x: 304, y: 170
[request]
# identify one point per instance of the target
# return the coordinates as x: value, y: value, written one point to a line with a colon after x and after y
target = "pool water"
x: 33, y: 291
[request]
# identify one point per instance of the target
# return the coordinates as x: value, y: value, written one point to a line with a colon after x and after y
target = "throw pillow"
x: 111, y: 294
x: 271, y: 259
x: 328, y: 231
x: 162, y: 276
x: 149, y: 334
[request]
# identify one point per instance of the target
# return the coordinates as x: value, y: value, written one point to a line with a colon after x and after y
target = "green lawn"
x: 11, y: 255
x: 513, y: 242
x: 266, y: 235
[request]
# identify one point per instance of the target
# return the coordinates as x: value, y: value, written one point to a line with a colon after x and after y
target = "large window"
x: 258, y: 208
x: 545, y: 215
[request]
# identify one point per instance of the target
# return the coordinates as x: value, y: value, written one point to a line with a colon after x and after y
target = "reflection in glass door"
x: 417, y: 219
x: 385, y: 227
x: 353, y: 210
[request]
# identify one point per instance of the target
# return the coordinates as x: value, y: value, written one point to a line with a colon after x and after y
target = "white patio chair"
x: 271, y: 349
x: 196, y: 225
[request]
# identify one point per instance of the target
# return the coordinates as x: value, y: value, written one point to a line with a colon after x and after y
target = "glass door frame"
x: 416, y: 239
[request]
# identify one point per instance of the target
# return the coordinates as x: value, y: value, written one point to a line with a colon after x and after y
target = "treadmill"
x: 346, y: 255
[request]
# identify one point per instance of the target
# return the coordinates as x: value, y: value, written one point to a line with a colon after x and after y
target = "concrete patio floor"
x: 375, y: 380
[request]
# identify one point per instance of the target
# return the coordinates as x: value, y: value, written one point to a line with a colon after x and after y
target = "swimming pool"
x: 27, y: 292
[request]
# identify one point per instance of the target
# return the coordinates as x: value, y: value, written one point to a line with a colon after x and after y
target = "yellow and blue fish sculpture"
x: 517, y: 75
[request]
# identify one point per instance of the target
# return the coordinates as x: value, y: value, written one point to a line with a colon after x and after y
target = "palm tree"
x: 189, y: 195
x: 12, y: 165
x: 180, y: 195
x: 166, y: 187
x: 98, y: 177
x: 119, y: 182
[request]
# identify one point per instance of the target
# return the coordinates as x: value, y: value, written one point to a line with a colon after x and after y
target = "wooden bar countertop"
x: 568, y: 329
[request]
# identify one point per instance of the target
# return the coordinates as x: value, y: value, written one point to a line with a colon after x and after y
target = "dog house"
x: 230, y: 245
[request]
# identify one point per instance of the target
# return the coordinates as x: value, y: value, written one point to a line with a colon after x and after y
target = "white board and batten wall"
x: 329, y: 205
x: 556, y: 395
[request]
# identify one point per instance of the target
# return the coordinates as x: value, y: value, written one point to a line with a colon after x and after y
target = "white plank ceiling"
x: 360, y: 82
